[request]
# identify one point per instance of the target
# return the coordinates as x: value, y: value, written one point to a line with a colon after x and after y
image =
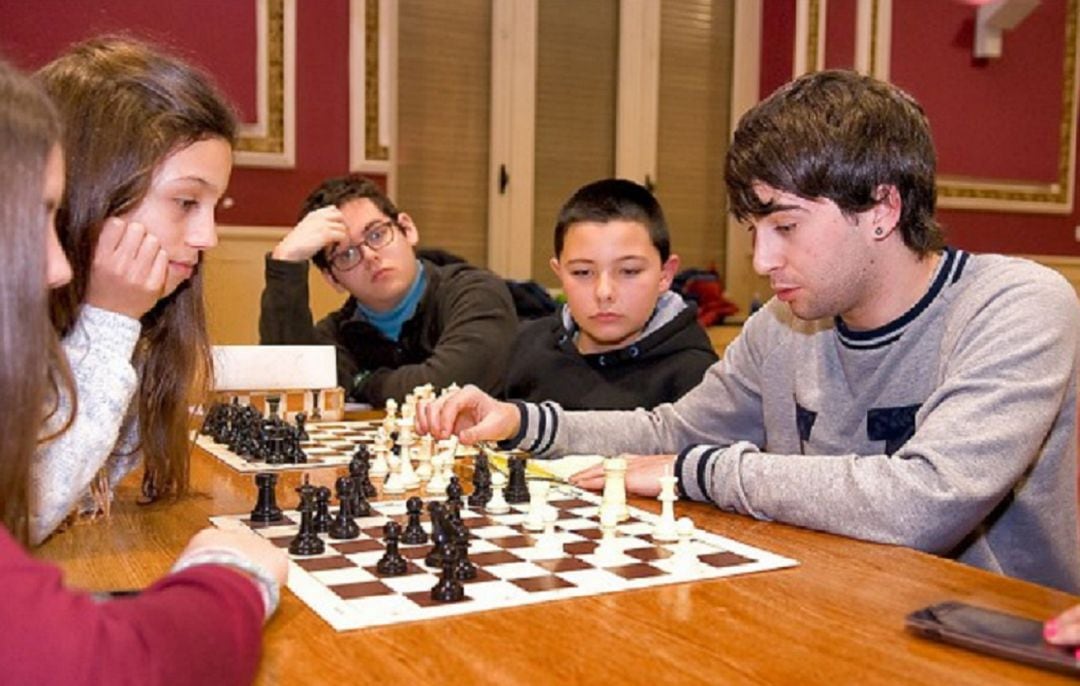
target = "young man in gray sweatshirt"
x: 893, y: 390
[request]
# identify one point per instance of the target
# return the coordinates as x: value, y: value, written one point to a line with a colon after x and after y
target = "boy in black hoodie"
x: 623, y: 339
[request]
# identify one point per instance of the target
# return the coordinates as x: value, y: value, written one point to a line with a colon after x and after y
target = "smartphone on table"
x: 995, y: 633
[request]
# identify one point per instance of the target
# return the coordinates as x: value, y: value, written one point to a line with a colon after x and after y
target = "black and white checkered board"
x: 344, y: 588
x: 329, y: 444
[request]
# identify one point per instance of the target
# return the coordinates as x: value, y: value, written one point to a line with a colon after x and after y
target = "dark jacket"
x: 461, y: 332
x: 666, y: 362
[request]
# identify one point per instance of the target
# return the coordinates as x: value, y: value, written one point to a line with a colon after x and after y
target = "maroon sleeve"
x: 200, y: 626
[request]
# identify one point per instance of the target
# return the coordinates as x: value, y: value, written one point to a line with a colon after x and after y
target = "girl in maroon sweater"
x: 199, y: 624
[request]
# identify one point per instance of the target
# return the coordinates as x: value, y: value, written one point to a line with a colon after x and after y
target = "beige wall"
x: 234, y: 284
x: 1068, y: 266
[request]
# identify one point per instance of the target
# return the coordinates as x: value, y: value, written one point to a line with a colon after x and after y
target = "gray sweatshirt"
x: 951, y: 430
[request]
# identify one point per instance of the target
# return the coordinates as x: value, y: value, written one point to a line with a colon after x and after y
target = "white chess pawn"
x: 389, y: 424
x: 615, y: 488
x: 423, y: 457
x: 549, y: 544
x: 409, y: 479
x: 448, y: 457
x: 497, y: 504
x: 408, y: 410
x: 685, y: 561
x: 425, y: 393
x: 379, y: 465
x: 666, y: 529
x: 607, y: 549
x: 394, y: 484
x: 538, y: 493
x: 437, y: 484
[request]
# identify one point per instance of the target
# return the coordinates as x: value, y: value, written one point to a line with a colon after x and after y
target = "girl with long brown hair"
x: 201, y: 623
x: 149, y: 146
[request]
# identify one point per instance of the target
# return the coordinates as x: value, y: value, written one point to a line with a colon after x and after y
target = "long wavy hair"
x: 29, y: 130
x: 125, y: 107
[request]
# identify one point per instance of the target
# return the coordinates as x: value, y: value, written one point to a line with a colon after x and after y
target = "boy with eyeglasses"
x: 407, y: 321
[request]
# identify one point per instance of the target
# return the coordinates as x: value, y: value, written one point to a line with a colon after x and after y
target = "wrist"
x: 283, y: 253
x: 268, y: 587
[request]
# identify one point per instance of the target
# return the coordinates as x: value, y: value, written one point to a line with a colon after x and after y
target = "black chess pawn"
x: 481, y: 493
x: 316, y: 415
x: 266, y: 509
x: 362, y: 453
x: 211, y: 425
x: 358, y: 473
x: 391, y: 563
x: 307, y: 541
x: 448, y: 589
x: 322, y: 510
x: 464, y: 568
x: 301, y: 426
x: 343, y: 526
x: 439, y: 532
x: 293, y: 453
x: 414, y: 532
x: 454, y: 491
x: 517, y: 490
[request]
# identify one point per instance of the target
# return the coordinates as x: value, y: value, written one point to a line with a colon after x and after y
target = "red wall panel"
x: 220, y: 37
x: 991, y: 119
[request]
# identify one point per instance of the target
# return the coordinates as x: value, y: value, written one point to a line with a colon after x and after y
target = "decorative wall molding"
x: 373, y: 31
x: 1056, y: 197
x: 873, y: 55
x: 638, y: 106
x: 271, y: 140
x: 809, y: 34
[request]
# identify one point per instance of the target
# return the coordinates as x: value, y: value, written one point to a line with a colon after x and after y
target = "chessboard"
x: 343, y: 586
x: 329, y: 444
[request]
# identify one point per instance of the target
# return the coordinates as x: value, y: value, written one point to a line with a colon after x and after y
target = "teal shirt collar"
x: 389, y: 323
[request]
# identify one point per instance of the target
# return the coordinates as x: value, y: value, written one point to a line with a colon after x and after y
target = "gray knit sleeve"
x: 99, y: 350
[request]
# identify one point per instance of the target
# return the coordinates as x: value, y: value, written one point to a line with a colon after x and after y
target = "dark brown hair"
x: 339, y: 190
x: 125, y: 107
x: 841, y: 136
x: 29, y: 130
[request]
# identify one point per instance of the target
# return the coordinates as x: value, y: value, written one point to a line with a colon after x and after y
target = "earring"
x: 879, y: 231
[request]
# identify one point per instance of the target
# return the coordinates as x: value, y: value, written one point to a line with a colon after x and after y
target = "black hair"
x: 610, y: 199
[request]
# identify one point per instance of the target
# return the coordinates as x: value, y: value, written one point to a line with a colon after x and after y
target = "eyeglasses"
x: 377, y: 237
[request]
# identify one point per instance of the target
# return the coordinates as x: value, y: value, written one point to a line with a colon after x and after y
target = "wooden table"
x: 837, y: 618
